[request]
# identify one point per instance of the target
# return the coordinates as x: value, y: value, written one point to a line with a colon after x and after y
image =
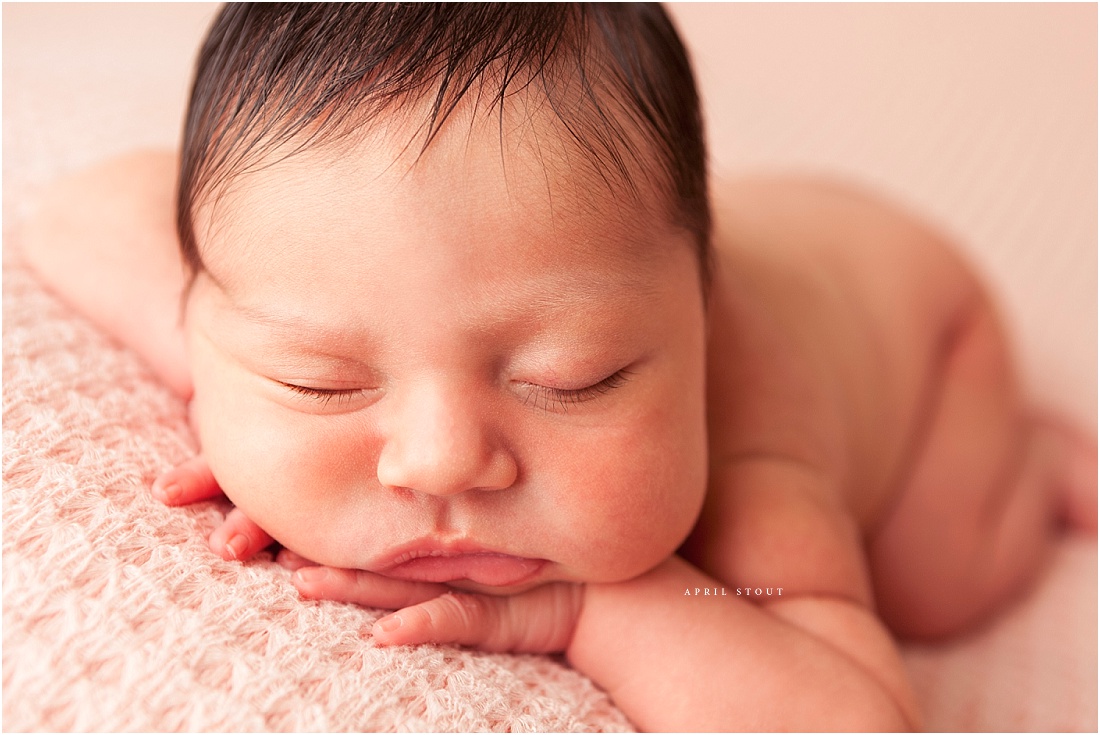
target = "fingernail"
x: 389, y: 624
x: 310, y: 574
x: 237, y: 545
x: 168, y: 494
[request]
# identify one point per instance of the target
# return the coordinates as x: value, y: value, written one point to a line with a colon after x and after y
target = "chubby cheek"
x: 635, y: 495
x: 645, y: 483
x: 298, y: 480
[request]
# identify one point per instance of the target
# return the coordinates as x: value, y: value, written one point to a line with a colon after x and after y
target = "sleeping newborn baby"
x: 462, y: 334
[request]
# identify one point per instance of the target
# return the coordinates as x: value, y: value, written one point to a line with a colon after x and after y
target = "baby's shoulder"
x: 880, y: 258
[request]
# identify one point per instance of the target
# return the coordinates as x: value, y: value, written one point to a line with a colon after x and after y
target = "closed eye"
x: 550, y: 398
x: 542, y: 396
x: 324, y: 396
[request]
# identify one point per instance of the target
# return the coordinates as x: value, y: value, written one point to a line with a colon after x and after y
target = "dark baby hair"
x: 616, y: 76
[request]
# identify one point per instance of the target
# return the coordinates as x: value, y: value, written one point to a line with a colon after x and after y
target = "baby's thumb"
x: 539, y: 621
x: 465, y: 619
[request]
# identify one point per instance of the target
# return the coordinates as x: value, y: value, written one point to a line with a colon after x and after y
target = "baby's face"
x: 470, y: 369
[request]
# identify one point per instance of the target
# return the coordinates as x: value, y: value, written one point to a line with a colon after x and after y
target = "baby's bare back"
x: 863, y: 404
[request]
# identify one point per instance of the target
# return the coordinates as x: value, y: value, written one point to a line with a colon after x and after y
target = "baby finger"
x: 190, y: 482
x: 470, y: 620
x: 238, y: 538
x: 362, y: 587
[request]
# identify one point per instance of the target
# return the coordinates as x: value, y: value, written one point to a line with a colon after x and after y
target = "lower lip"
x: 496, y: 570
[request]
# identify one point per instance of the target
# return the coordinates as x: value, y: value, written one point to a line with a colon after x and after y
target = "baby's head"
x: 447, y: 315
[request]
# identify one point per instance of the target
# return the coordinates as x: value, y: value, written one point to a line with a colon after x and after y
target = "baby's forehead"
x: 590, y: 147
x: 373, y: 222
x: 520, y: 157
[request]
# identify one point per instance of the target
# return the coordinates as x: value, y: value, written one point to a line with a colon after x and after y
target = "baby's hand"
x: 237, y: 538
x: 540, y: 620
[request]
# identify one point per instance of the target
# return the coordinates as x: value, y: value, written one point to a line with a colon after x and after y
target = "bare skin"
x: 870, y: 454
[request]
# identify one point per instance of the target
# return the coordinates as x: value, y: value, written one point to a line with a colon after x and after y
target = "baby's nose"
x: 440, y: 442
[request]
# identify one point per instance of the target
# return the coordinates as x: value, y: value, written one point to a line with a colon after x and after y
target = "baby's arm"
x: 813, y: 658
x: 104, y: 240
x: 673, y: 661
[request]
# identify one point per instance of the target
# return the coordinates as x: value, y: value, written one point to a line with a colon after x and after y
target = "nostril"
x: 405, y: 493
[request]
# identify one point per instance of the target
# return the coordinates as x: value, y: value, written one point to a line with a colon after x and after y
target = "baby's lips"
x: 492, y: 569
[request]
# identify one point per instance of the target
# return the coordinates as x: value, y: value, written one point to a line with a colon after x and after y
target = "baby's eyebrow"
x: 292, y: 324
x: 305, y: 331
x: 300, y: 333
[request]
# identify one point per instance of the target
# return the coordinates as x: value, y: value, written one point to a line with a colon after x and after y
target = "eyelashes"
x: 325, y: 396
x: 550, y: 399
x: 545, y: 397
